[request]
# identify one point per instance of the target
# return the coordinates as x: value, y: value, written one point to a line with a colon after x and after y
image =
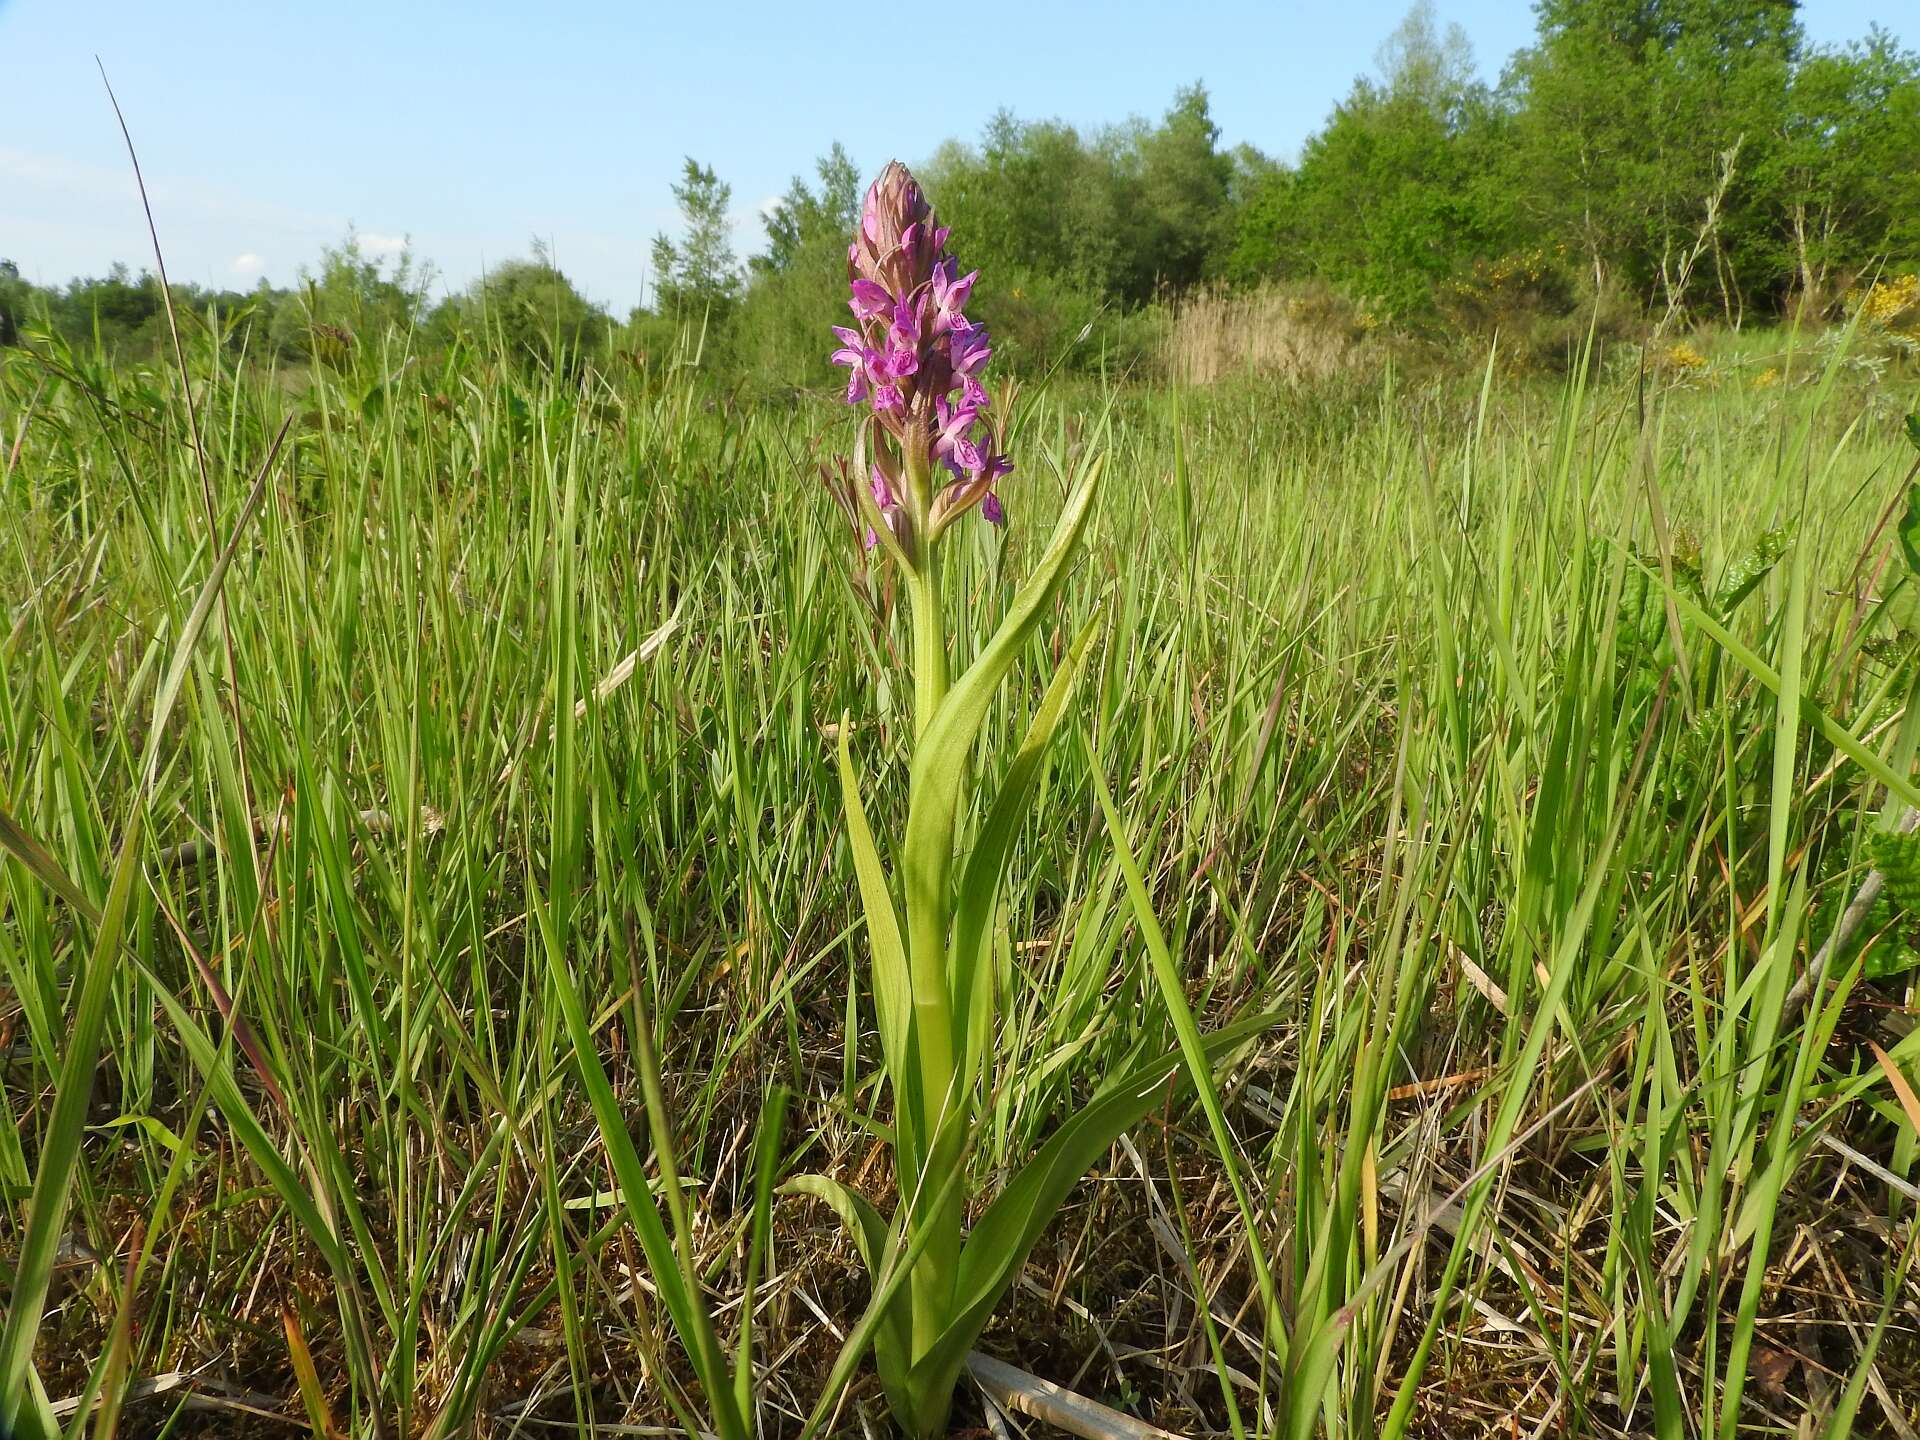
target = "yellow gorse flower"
x: 1682, y: 356
x: 1886, y: 303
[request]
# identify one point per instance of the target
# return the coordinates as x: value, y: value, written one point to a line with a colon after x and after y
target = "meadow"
x: 1513, y: 750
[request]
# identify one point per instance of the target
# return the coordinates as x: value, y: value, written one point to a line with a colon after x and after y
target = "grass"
x: 1438, y: 721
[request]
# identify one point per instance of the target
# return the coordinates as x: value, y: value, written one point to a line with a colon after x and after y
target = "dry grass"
x: 1298, y: 334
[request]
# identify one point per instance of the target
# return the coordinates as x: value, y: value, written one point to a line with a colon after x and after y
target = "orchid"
x: 930, y: 444
x: 912, y: 347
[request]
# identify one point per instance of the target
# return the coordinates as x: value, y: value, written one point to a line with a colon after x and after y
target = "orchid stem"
x: 929, y: 642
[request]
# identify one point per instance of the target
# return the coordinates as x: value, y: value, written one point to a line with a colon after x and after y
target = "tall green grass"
x: 1520, y: 745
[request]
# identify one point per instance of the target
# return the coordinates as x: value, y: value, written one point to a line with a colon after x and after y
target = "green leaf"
x: 766, y: 1163
x: 685, y: 1307
x: 939, y: 759
x: 892, y: 986
x: 1167, y: 976
x: 1746, y: 573
x: 999, y: 1244
x: 1913, y: 429
x: 28, y: 850
x: 169, y: 691
x: 876, y: 1241
x: 889, y: 1292
x: 863, y: 1221
x: 1837, y: 735
x: 986, y: 866
x: 1910, y: 526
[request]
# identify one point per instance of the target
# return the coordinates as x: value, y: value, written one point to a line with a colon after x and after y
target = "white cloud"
x: 768, y: 206
x: 248, y: 264
x: 375, y: 242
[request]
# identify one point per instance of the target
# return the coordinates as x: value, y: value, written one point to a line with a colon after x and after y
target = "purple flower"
x: 971, y: 349
x: 915, y: 357
x: 991, y: 509
x: 950, y: 295
x: 853, y: 352
x: 953, y: 423
x: 869, y: 299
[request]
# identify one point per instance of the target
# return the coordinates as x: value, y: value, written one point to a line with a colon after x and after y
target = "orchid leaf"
x: 938, y: 767
x: 986, y: 866
x: 1008, y: 1230
x: 892, y: 986
x: 876, y: 1242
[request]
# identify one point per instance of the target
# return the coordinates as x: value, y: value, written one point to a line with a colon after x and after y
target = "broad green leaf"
x: 980, y: 884
x: 875, y: 1241
x: 1746, y: 573
x: 939, y: 762
x: 864, y: 1223
x: 1910, y: 529
x: 1006, y: 1233
x: 892, y: 986
x: 889, y: 1297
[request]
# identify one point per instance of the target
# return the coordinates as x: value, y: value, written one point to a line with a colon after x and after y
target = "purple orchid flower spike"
x: 916, y: 361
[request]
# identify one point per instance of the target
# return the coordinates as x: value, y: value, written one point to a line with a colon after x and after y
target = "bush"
x: 1541, y: 312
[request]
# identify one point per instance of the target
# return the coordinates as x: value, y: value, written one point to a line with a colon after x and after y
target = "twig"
x: 202, y: 1395
x: 192, y: 852
x: 611, y: 682
x: 1016, y: 1391
x: 1851, y: 919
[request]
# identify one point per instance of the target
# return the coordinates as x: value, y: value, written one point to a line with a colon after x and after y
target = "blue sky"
x: 264, y: 129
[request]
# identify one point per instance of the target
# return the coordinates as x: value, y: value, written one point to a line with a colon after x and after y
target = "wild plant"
x: 927, y: 453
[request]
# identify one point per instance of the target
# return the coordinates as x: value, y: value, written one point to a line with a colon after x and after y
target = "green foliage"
x: 352, y: 298
x: 697, y: 277
x: 1125, y: 214
x: 531, y: 311
x: 1641, y: 161
x: 1399, y: 747
x: 778, y: 339
x: 1389, y: 198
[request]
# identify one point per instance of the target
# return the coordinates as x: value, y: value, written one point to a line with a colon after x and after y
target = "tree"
x: 774, y: 336
x: 14, y: 293
x: 351, y: 297
x: 697, y: 275
x: 802, y: 219
x: 1625, y: 112
x: 1390, y: 196
x: 1841, y: 178
x: 1181, y: 224
x: 1420, y: 63
x: 533, y: 309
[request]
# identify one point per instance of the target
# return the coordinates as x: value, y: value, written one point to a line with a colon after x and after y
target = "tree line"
x: 1695, y: 158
